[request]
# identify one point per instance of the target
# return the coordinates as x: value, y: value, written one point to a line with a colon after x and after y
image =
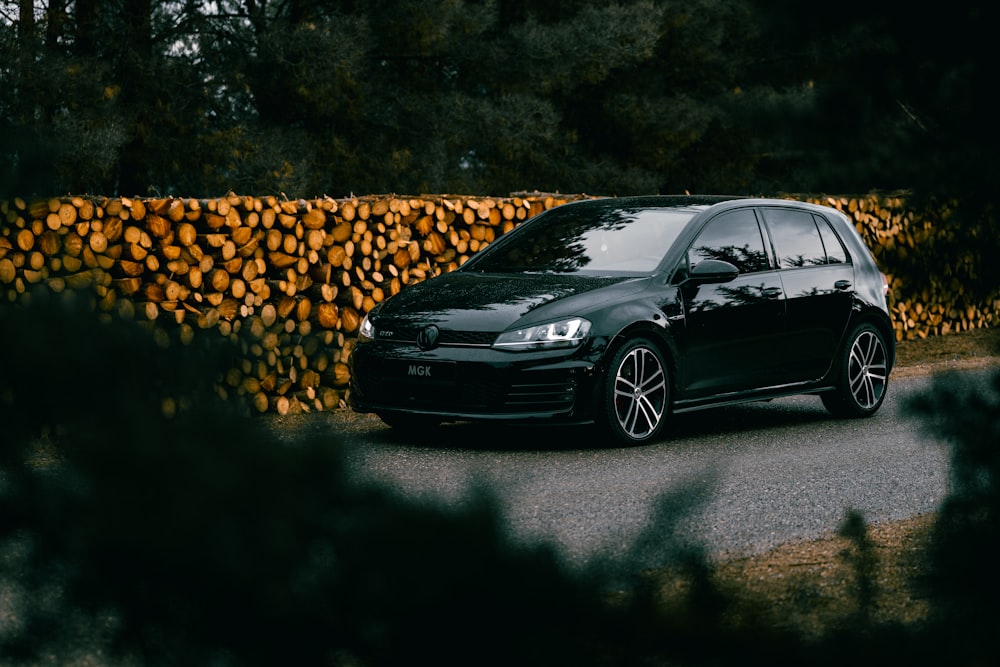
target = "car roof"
x: 703, y: 203
x: 693, y: 200
x: 657, y: 201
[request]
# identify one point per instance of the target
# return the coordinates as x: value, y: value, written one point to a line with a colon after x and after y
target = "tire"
x: 405, y: 421
x: 634, y: 394
x: 862, y: 375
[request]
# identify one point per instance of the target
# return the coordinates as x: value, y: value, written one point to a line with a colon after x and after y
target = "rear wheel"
x: 635, y: 393
x: 863, y: 375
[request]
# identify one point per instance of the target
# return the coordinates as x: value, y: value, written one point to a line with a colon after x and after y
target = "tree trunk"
x: 137, y: 53
x: 56, y: 21
x: 25, y: 21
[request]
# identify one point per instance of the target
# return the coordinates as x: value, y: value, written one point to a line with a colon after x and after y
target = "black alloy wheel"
x: 635, y: 393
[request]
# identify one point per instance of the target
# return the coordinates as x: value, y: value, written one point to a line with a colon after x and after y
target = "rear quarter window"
x: 835, y: 253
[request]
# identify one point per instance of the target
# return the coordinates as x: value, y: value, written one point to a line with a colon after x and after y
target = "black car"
x: 620, y: 311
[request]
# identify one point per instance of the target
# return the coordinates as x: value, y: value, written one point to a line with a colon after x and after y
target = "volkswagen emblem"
x: 428, y: 337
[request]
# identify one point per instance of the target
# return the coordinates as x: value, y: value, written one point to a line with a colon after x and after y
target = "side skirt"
x: 748, y: 397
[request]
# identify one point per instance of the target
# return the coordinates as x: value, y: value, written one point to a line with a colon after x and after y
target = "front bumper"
x: 473, y: 383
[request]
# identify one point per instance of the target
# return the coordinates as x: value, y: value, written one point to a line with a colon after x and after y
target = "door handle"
x: 842, y: 285
x: 771, y: 292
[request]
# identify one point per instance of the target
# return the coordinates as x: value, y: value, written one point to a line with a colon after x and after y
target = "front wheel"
x: 862, y: 375
x: 634, y: 393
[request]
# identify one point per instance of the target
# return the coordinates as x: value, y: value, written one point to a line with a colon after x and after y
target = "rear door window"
x: 796, y: 238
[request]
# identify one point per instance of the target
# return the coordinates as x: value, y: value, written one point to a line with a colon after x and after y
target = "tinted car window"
x: 733, y: 237
x: 589, y: 239
x: 835, y: 253
x: 796, y: 238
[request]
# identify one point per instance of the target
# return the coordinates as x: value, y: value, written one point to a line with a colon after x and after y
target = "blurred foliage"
x: 964, y: 414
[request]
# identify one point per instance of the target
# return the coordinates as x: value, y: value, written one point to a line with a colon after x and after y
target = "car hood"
x: 468, y: 301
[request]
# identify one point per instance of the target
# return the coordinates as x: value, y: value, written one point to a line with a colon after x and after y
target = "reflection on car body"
x: 620, y: 311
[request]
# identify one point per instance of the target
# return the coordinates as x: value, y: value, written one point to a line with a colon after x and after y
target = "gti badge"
x: 428, y: 337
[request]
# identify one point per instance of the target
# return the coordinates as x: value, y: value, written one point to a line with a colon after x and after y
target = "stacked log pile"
x: 286, y: 281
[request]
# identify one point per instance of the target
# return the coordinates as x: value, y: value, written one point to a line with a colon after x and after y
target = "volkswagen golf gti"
x: 622, y: 311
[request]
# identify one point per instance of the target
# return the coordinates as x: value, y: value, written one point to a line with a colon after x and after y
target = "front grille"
x: 457, y: 338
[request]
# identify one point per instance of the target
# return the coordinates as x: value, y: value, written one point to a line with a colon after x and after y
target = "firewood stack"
x: 286, y: 281
x: 289, y: 281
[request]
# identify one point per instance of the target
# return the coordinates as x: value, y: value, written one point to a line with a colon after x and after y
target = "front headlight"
x: 564, y: 333
x: 366, y: 331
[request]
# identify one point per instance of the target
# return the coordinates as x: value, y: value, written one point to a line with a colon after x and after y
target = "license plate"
x: 431, y: 372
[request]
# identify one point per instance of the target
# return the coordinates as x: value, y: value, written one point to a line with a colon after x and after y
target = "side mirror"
x: 713, y: 271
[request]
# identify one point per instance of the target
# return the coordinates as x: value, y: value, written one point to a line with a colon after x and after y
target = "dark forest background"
x: 490, y: 97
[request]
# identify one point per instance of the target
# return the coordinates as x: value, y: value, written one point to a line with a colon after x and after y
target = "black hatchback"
x: 621, y: 311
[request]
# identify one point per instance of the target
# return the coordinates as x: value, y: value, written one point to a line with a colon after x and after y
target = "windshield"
x: 590, y: 239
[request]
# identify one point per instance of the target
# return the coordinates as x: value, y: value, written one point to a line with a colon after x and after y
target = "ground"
x: 808, y: 585
x: 976, y: 348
